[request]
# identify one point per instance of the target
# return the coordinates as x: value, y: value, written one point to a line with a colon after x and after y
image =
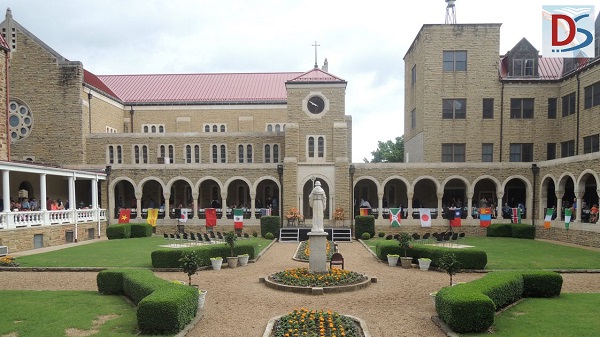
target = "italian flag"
x: 548, y: 218
x: 238, y: 218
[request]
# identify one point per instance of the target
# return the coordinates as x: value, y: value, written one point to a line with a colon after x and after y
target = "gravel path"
x: 238, y: 305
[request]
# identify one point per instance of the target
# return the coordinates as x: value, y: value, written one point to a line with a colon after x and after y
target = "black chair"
x: 416, y: 237
x: 447, y: 236
x: 440, y: 238
x: 336, y: 260
x: 246, y: 236
x: 207, y: 238
x: 220, y: 236
x: 185, y: 236
x: 212, y: 235
x: 454, y: 237
x: 192, y: 237
x: 426, y: 237
x: 166, y: 235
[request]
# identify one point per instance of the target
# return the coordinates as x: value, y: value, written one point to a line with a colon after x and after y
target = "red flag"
x: 211, y: 217
x: 456, y: 222
x: 124, y: 215
x: 485, y: 217
x: 364, y: 211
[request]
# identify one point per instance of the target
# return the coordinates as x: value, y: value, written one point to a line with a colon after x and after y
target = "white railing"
x: 10, y: 220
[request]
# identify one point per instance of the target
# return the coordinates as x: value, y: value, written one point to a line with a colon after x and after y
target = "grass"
x: 509, y: 253
x: 567, y: 315
x: 51, y: 313
x: 112, y: 253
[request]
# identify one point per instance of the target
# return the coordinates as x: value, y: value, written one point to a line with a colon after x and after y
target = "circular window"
x: 20, y: 120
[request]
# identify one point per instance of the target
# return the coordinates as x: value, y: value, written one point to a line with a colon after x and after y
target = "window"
x: 223, y: 154
x: 171, y: 154
x: 455, y: 60
x: 153, y: 128
x: 321, y: 147
x: 162, y: 151
x: 413, y: 76
x: 452, y: 153
x: 592, y: 95
x: 136, y: 154
x: 567, y: 149
x: 20, y: 121
x: 487, y: 152
x: 521, y: 108
x: 206, y: 128
x: 488, y: 108
x: 277, y: 127
x: 197, y: 154
x: 521, y: 152
x: 145, y: 154
x: 267, y: 153
x: 269, y: 128
x: 550, y: 151
x: 311, y: 147
x: 188, y: 154
x: 552, y: 104
x: 111, y: 154
x: 219, y: 153
x: 413, y: 118
x: 249, y: 153
x: 523, y: 67
x: 222, y: 128
x: 145, y: 129
x: 240, y: 154
x: 568, y: 104
x: 215, y: 153
x: 591, y: 143
x: 454, y: 109
x: 119, y: 154
x: 276, y: 153
x: 214, y: 128
x: 161, y: 129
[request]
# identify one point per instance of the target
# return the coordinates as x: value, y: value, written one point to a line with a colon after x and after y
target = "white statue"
x: 318, y: 201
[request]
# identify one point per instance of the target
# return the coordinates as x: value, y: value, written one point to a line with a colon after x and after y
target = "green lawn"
x: 567, y: 315
x: 111, y: 253
x: 509, y: 253
x: 50, y: 313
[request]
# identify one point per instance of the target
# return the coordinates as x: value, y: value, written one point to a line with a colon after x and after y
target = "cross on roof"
x: 316, y: 45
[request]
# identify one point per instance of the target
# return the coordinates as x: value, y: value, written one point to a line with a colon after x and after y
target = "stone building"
x: 255, y: 140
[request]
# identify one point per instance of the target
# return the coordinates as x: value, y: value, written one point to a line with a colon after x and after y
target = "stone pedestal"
x: 318, y: 252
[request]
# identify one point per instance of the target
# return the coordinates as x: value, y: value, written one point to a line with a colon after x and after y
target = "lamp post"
x: 351, y: 170
x: 280, y: 173
x: 108, y: 171
x: 535, y: 170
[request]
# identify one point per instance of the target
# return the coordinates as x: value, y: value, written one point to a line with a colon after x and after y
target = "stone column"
x: 167, y: 206
x: 440, y: 195
x: 380, y: 205
x: 579, y: 196
x: 195, y: 204
x: 138, y: 201
x: 252, y: 205
x: 6, y: 190
x: 470, y: 206
x: 223, y: 205
x: 499, y: 196
x: 410, y: 203
x: 559, y: 195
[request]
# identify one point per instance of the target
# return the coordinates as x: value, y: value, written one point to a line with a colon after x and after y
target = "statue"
x: 318, y: 201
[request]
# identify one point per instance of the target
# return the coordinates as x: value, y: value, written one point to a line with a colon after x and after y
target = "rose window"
x: 20, y: 120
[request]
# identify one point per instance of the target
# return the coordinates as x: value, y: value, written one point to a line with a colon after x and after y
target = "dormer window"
x: 523, y: 67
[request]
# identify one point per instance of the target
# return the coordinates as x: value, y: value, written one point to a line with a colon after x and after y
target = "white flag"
x: 184, y: 215
x: 425, y: 214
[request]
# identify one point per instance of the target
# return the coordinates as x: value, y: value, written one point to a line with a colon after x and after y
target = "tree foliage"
x: 388, y: 152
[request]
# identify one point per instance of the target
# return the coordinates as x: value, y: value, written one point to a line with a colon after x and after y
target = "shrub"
x: 449, y: 264
x: 365, y: 236
x: 169, y: 257
x: 469, y: 258
x: 464, y: 310
x: 499, y: 230
x: 404, y: 242
x: 522, y: 231
x: 140, y: 230
x: 364, y: 224
x: 541, y: 284
x: 269, y: 236
x: 255, y: 234
x: 118, y: 231
x: 270, y: 224
x: 381, y: 234
x: 503, y: 288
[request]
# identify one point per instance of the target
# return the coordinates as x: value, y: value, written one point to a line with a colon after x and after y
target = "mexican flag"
x: 395, y: 217
x: 568, y: 213
x: 548, y: 218
x: 238, y: 218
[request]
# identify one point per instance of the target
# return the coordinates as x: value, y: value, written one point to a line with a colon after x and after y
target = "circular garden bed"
x: 322, y: 323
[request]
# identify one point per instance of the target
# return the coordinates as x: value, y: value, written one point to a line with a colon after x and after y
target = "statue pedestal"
x: 318, y: 252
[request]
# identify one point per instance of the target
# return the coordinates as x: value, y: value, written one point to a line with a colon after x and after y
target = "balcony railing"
x: 11, y: 220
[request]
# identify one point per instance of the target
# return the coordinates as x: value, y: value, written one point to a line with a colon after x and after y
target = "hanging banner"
x: 184, y: 215
x: 124, y: 215
x: 568, y: 213
x: 485, y: 216
x: 152, y: 216
x: 548, y: 218
x: 238, y: 218
x: 395, y: 217
x: 425, y: 215
x: 211, y: 217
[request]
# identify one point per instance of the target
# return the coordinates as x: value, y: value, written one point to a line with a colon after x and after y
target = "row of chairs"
x: 436, y: 237
x: 203, y: 238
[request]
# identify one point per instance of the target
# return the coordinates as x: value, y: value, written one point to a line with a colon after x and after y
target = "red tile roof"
x: 317, y: 75
x: 95, y: 82
x: 195, y: 88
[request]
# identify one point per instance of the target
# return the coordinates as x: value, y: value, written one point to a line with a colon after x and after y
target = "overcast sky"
x: 364, y: 41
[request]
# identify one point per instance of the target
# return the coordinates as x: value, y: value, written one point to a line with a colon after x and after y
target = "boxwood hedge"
x: 169, y: 257
x: 364, y: 224
x: 128, y: 230
x: 469, y: 258
x: 521, y: 231
x: 270, y: 224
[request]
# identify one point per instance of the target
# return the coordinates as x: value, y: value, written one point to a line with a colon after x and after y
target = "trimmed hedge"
x: 163, y: 307
x: 141, y: 230
x: 128, y: 230
x: 270, y: 224
x: 468, y: 258
x: 364, y: 224
x: 520, y: 231
x: 169, y: 258
x: 471, y: 307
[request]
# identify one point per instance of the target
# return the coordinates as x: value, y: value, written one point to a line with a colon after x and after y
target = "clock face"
x: 315, y: 105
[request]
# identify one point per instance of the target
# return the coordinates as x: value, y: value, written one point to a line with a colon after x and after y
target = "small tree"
x: 404, y: 240
x: 230, y: 238
x: 189, y: 264
x: 449, y: 264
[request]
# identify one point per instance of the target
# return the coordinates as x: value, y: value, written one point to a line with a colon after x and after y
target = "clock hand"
x: 313, y: 103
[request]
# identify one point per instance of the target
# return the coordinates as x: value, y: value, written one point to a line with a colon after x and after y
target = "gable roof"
x: 3, y: 44
x: 316, y: 75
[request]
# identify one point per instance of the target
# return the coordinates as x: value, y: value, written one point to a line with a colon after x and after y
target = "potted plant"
x: 449, y: 264
x: 243, y: 259
x: 404, y: 240
x: 216, y: 262
x: 190, y: 265
x: 232, y: 259
x: 424, y: 263
x: 393, y: 259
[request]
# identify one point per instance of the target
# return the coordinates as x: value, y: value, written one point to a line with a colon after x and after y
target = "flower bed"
x: 302, y: 278
x: 321, y: 323
x: 303, y: 252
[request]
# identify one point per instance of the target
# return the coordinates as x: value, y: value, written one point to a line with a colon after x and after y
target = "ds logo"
x: 568, y: 31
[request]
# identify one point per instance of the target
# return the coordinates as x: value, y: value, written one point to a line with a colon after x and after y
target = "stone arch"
x: 263, y: 178
x: 580, y: 182
x: 485, y: 176
x: 414, y: 183
x: 401, y: 178
x: 177, y: 178
x: 206, y: 178
x: 140, y: 186
x: 371, y: 178
x: 562, y: 180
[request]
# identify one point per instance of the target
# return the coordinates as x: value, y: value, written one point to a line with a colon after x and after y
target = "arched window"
x: 223, y: 154
x: 277, y: 128
x: 197, y: 154
x: 321, y: 148
x: 276, y: 153
x: 214, y: 128
x: 111, y: 155
x: 311, y: 147
x: 269, y: 128
x: 267, y: 153
x: 162, y: 151
x: 161, y: 129
x: 222, y: 128
x: 153, y: 128
x: 145, y: 154
x: 145, y: 128
x: 249, y: 153
x: 206, y: 128
x: 119, y: 155
x: 214, y: 153
x: 136, y: 155
x: 188, y: 154
x: 240, y: 153
x: 171, y: 154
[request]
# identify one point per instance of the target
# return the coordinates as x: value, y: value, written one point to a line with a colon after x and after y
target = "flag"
x: 568, y: 213
x: 238, y: 218
x: 548, y: 218
x: 456, y: 222
x: 425, y: 214
x: 211, y: 217
x: 395, y: 217
x: 152, y: 216
x: 265, y: 212
x: 124, y: 215
x: 364, y: 211
x: 184, y: 215
x: 485, y: 217
x: 516, y: 215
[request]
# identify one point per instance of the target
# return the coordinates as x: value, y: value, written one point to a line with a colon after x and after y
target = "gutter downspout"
x: 7, y: 99
x: 501, y: 119
x: 578, y: 117
x: 90, y: 110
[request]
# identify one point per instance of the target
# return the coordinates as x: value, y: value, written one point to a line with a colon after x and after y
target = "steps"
x: 289, y: 235
x: 341, y: 235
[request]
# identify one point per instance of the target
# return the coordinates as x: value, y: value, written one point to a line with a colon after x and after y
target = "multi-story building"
x: 513, y: 128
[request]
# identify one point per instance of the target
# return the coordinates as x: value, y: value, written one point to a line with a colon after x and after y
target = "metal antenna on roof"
x: 450, y: 12
x: 316, y: 45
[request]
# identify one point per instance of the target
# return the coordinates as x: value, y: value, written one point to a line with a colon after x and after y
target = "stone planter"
x: 424, y: 264
x: 216, y: 263
x: 406, y: 262
x: 201, y: 299
x: 243, y: 260
x: 232, y: 261
x: 393, y: 260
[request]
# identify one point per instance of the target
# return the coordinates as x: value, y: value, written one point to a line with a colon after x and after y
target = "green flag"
x: 395, y: 217
x: 568, y: 213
